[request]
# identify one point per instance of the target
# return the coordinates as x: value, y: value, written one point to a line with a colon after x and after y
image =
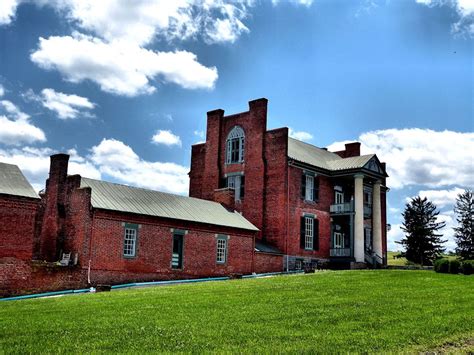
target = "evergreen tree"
x: 464, y: 232
x: 422, y: 243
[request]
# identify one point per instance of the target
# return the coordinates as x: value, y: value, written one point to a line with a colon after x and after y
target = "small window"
x: 309, y: 188
x: 221, y: 250
x: 130, y: 242
x: 235, y: 146
x: 309, y: 233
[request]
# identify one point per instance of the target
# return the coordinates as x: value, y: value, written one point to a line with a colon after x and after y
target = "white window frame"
x: 235, y: 182
x: 309, y: 189
x: 130, y: 243
x: 308, y: 233
x: 236, y: 135
x: 221, y: 249
x: 339, y: 197
x: 338, y: 240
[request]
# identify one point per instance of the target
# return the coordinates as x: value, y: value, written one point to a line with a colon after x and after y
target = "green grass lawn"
x: 343, y: 311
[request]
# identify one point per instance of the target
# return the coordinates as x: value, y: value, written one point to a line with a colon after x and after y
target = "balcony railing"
x: 346, y: 207
x: 340, y: 252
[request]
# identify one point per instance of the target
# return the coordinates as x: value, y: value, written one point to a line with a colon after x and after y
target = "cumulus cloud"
x: 119, y: 161
x: 2, y: 90
x: 421, y: 156
x: 119, y: 67
x: 465, y: 12
x: 66, y: 106
x: 16, y: 127
x: 34, y: 163
x: 166, y: 137
x: 7, y: 11
x: 300, y: 135
x: 306, y: 3
x: 441, y: 198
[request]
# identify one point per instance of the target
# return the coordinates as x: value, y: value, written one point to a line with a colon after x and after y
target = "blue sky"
x: 124, y: 87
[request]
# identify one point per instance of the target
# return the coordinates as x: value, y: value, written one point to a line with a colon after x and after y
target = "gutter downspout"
x: 287, y: 213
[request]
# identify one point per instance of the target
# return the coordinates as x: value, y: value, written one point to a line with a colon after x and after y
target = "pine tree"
x: 464, y: 232
x: 422, y: 243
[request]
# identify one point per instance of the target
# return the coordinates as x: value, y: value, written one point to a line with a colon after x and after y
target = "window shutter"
x: 316, y: 188
x: 302, y: 232
x: 242, y: 186
x: 316, y: 234
x: 303, y: 186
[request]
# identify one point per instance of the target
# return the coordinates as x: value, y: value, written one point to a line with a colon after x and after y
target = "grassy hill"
x: 343, y: 311
x: 403, y: 261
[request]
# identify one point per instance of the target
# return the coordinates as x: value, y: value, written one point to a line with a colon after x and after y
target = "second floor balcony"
x: 346, y: 207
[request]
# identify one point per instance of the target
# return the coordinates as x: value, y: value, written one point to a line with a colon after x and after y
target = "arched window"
x: 235, y: 145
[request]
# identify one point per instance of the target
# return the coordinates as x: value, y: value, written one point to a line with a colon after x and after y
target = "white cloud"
x: 465, y: 11
x: 118, y: 67
x: 306, y: 3
x: 394, y: 235
x: 7, y: 11
x: 119, y: 161
x: 15, y: 127
x: 441, y: 198
x: 166, y: 137
x: 421, y: 156
x: 300, y: 135
x: 2, y: 90
x: 66, y: 106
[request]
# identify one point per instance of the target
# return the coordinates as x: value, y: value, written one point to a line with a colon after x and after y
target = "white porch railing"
x: 340, y: 252
x: 346, y: 207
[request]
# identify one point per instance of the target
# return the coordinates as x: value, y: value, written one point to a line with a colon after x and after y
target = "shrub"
x: 454, y: 267
x: 441, y: 265
x: 467, y: 267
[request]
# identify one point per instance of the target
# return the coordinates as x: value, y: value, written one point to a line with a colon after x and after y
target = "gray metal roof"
x: 321, y: 158
x: 309, y: 154
x: 116, y: 197
x: 350, y: 163
x: 13, y: 182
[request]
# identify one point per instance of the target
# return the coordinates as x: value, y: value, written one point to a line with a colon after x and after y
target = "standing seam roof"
x: 13, y: 182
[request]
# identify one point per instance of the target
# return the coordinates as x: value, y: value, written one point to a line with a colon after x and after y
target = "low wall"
x: 268, y: 263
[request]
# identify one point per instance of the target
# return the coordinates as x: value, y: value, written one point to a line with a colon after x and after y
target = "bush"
x: 467, y: 267
x: 454, y: 267
x: 441, y: 265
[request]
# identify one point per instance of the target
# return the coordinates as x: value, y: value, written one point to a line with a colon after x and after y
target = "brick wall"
x: 268, y: 263
x: 17, y: 226
x: 154, y: 250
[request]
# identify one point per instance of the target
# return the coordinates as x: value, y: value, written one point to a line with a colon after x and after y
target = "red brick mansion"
x: 259, y: 202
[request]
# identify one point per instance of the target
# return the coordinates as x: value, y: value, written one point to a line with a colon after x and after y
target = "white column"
x: 377, y: 219
x: 359, y: 218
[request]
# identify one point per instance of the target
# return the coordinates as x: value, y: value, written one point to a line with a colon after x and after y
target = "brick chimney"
x: 351, y: 150
x: 54, y: 207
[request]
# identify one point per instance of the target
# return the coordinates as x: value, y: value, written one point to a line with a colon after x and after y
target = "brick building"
x: 308, y: 203
x: 86, y: 232
x: 260, y: 201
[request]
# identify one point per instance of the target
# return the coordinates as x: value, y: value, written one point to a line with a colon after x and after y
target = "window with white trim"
x: 221, y: 250
x: 130, y: 242
x: 235, y: 146
x: 309, y: 232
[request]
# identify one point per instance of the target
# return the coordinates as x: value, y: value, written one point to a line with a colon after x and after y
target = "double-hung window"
x: 309, y: 235
x: 130, y: 241
x: 221, y: 249
x: 309, y: 186
x: 177, y: 256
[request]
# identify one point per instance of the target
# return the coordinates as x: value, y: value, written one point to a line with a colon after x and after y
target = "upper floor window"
x: 367, y: 196
x: 309, y: 187
x: 235, y: 146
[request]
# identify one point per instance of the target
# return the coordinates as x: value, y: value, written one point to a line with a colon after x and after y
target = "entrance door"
x: 177, y: 258
x: 338, y: 240
x: 339, y: 197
